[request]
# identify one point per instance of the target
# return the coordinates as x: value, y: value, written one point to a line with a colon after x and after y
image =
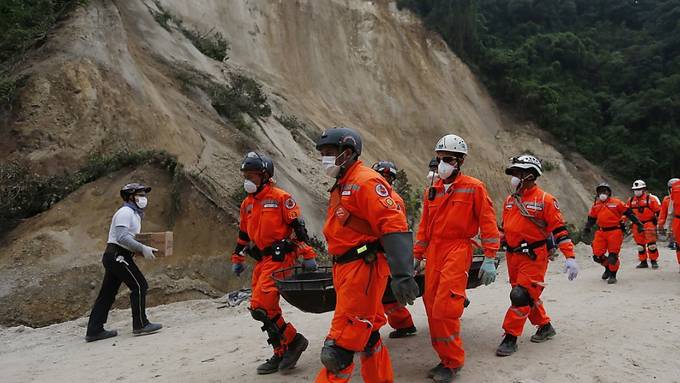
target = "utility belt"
x: 368, y: 252
x: 610, y: 228
x: 677, y: 216
x: 112, y: 248
x: 278, y: 251
x: 527, y: 248
x: 653, y: 220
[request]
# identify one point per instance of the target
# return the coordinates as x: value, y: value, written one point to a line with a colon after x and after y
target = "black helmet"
x: 433, y: 163
x: 603, y: 185
x: 342, y: 138
x: 130, y: 189
x: 386, y: 168
x: 258, y: 162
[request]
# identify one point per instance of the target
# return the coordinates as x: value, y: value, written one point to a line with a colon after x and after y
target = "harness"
x: 278, y: 251
x: 525, y: 247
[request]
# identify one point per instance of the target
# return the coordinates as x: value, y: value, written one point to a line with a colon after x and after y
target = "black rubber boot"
x: 433, y: 371
x: 445, y: 375
x: 150, y: 328
x: 508, y: 346
x: 403, y: 332
x: 292, y: 354
x: 606, y: 274
x: 612, y: 278
x: 642, y: 265
x: 270, y: 366
x: 104, y: 334
x: 655, y: 265
x: 544, y: 333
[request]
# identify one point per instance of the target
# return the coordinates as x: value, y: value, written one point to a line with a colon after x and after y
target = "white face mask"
x: 432, y: 177
x: 603, y: 197
x: 445, y: 170
x: 249, y: 186
x: 515, y: 182
x: 329, y: 166
x: 141, y: 202
x: 637, y: 192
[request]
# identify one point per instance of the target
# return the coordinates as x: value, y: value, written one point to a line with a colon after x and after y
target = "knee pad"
x: 652, y: 246
x: 598, y: 259
x: 259, y: 315
x: 612, y: 258
x: 336, y: 358
x: 519, y: 296
x: 641, y: 249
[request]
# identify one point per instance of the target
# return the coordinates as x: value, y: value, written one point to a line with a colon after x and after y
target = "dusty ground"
x: 628, y: 332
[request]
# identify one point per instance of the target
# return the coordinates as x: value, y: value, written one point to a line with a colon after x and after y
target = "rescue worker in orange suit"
x: 368, y: 239
x: 670, y: 212
x: 646, y: 208
x: 664, y: 225
x: 269, y: 219
x: 608, y: 212
x: 421, y: 241
x: 530, y: 216
x: 398, y: 315
x: 456, y: 209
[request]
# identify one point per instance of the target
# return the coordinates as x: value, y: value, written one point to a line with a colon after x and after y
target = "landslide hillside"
x: 124, y: 76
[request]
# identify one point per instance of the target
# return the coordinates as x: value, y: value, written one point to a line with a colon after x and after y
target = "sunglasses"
x: 449, y: 159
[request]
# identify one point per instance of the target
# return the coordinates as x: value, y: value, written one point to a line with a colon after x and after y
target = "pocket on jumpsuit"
x: 354, y: 334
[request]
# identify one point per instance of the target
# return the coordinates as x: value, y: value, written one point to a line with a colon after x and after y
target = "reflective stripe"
x: 464, y: 190
x: 342, y: 376
x: 447, y: 339
x: 491, y: 240
x: 422, y: 243
x: 563, y: 240
x: 518, y: 312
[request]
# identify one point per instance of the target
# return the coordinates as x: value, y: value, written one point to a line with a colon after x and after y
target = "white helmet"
x: 525, y: 161
x: 639, y: 184
x: 451, y: 143
x: 672, y: 181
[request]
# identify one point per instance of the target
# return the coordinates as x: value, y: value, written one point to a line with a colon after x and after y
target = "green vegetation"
x: 294, y: 125
x: 243, y: 96
x: 602, y: 75
x: 412, y: 199
x: 23, y: 24
x: 211, y: 44
x: 25, y: 194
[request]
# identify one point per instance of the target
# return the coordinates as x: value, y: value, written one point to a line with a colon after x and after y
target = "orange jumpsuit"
x: 609, y: 236
x: 264, y: 219
x: 448, y: 224
x: 522, y: 270
x: 361, y: 210
x: 398, y: 315
x: 665, y: 215
x: 675, y: 198
x: 646, y: 208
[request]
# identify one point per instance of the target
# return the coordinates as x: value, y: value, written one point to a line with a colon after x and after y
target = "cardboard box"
x: 161, y: 241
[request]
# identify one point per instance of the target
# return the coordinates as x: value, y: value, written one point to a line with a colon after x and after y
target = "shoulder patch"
x: 290, y: 203
x: 381, y: 190
x: 389, y: 203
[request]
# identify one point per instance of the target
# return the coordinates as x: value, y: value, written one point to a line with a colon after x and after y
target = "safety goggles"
x: 450, y: 159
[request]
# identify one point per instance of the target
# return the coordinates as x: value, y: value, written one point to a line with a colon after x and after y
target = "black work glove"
x: 399, y: 251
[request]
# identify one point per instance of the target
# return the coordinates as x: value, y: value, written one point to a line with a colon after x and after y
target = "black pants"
x: 119, y: 267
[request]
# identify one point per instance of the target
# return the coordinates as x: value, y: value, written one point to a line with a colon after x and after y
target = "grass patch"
x: 26, y: 193
x: 294, y: 125
x: 211, y: 44
x: 242, y: 96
